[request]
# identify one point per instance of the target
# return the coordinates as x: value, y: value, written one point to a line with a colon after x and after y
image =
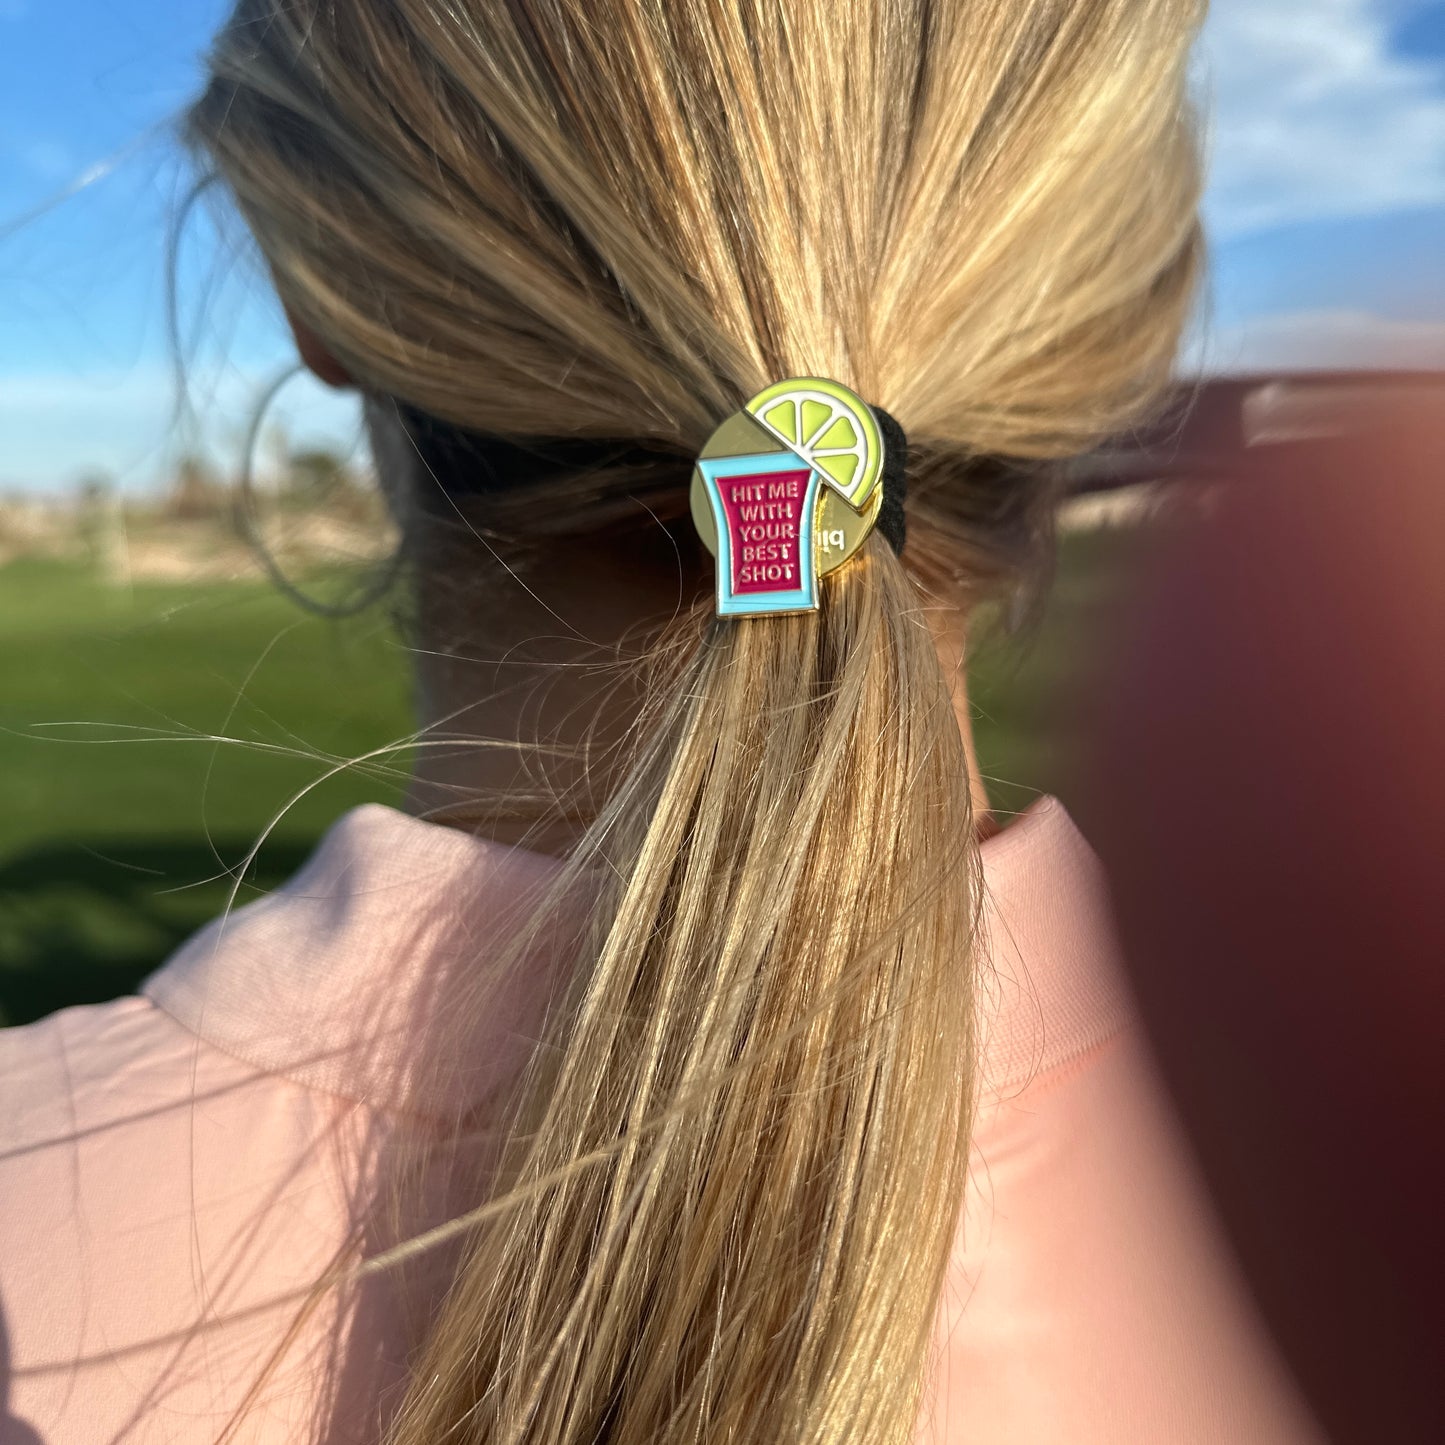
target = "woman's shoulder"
x: 84, y: 1062
x: 150, y: 1183
x: 1091, y: 1295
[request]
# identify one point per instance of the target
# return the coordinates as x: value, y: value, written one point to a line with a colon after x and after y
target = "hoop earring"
x: 248, y: 522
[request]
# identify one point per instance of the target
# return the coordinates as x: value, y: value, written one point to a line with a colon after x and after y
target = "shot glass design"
x: 763, y: 509
x: 784, y: 491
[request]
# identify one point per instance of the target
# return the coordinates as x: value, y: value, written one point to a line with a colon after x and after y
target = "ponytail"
x: 769, y: 1063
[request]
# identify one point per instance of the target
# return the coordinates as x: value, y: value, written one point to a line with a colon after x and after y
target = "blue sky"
x: 1326, y: 210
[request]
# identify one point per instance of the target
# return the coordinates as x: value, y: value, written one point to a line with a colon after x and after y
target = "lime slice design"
x: 830, y: 427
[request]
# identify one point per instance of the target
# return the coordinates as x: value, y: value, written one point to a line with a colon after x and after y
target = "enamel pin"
x: 785, y: 491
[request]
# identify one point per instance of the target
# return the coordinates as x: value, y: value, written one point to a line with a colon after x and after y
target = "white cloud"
x: 1312, y: 116
x: 1321, y: 340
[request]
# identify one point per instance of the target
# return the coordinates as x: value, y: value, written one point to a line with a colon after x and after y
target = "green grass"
x: 122, y: 816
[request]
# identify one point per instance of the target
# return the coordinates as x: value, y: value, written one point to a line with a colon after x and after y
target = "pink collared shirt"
x: 177, y: 1168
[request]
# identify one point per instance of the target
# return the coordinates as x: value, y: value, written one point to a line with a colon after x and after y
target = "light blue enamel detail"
x: 803, y: 598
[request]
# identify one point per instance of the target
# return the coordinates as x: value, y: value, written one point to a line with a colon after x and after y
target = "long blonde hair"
x: 733, y: 1185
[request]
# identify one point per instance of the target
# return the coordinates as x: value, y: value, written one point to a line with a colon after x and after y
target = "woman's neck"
x: 527, y: 688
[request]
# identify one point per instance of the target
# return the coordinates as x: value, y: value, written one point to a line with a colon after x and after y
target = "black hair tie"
x: 470, y: 463
x: 892, y: 522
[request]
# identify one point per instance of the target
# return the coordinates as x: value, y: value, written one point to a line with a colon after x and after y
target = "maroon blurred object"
x: 1269, y: 798
x: 1214, y: 427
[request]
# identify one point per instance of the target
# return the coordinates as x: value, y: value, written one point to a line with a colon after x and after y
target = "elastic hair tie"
x: 470, y: 463
x: 788, y: 489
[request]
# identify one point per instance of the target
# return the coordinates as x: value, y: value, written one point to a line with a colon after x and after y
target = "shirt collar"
x: 336, y: 978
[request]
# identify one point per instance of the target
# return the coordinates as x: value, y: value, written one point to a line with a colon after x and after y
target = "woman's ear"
x: 319, y: 361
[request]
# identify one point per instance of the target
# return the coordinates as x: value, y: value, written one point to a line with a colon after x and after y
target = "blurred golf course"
x: 150, y: 733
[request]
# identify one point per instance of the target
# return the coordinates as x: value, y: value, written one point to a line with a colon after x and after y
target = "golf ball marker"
x: 785, y: 491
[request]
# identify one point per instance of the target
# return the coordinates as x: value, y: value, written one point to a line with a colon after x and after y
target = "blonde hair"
x: 737, y: 1164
